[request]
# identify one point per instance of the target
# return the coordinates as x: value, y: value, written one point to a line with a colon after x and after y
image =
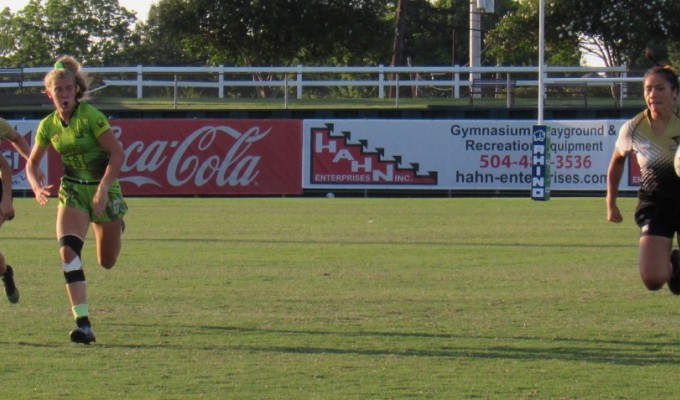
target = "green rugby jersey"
x: 81, y: 155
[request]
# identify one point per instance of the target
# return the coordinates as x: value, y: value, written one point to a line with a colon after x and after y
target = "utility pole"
x: 475, y: 38
x: 398, y: 40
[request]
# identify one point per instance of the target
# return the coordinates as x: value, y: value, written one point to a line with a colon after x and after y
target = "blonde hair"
x: 64, y: 67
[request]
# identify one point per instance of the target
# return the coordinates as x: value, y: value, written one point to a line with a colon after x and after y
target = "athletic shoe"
x: 10, y: 287
x: 82, y: 334
x: 674, y: 282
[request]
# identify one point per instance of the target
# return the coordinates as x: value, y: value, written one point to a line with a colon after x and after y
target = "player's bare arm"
x: 614, y: 174
x: 35, y: 176
x: 6, y: 208
x: 109, y: 142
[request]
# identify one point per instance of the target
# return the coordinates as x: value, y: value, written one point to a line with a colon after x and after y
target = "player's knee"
x: 72, y: 242
x: 73, y: 268
x: 107, y: 261
x: 107, y: 264
x: 653, y: 283
x: 653, y: 286
x: 109, y: 244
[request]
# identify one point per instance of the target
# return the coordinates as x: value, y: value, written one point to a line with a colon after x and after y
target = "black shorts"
x: 658, y: 218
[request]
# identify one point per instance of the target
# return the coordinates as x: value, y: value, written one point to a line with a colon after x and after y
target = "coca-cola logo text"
x: 210, y: 155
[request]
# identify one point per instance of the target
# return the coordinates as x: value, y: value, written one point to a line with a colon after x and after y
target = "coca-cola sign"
x: 16, y: 161
x: 210, y: 157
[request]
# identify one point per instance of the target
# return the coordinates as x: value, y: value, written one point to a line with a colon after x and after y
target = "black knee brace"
x: 72, y: 241
x: 73, y: 270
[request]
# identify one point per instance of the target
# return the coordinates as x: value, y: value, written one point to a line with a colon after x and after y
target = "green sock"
x: 80, y: 311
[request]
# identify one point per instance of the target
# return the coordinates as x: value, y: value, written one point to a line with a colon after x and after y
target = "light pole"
x: 475, y: 38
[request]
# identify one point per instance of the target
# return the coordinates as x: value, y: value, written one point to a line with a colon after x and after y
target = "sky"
x: 141, y: 7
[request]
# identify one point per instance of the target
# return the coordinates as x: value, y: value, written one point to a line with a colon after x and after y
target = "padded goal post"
x: 540, y: 163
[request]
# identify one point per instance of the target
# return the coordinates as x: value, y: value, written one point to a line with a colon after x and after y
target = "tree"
x: 618, y: 31
x: 437, y: 32
x: 171, y: 36
x: 268, y: 32
x: 398, y: 33
x: 97, y: 32
x: 22, y: 42
x: 427, y: 34
x: 275, y: 32
x: 514, y: 40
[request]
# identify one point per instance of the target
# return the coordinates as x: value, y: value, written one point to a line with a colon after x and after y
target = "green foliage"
x: 674, y: 53
x: 621, y: 28
x: 331, y: 32
x: 96, y: 32
x: 171, y: 36
x: 7, y: 41
x: 270, y: 33
x: 22, y: 41
x: 437, y: 32
x: 514, y: 40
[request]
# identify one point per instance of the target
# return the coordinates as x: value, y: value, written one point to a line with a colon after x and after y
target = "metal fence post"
x: 381, y: 81
x: 299, y: 82
x: 140, y: 81
x: 220, y: 79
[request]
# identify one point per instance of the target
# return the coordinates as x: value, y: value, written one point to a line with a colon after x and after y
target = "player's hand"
x: 8, y: 216
x: 6, y: 212
x: 101, y: 197
x: 613, y: 214
x: 42, y: 194
x: 41, y: 177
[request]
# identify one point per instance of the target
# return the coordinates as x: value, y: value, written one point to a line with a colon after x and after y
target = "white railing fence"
x: 298, y: 81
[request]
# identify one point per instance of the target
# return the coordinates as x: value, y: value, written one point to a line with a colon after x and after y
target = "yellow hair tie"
x: 59, y: 66
x: 670, y: 68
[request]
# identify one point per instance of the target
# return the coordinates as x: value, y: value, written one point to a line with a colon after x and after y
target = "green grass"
x: 107, y: 104
x: 159, y: 103
x: 315, y: 298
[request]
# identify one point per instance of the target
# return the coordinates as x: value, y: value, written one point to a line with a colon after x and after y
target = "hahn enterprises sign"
x: 455, y: 155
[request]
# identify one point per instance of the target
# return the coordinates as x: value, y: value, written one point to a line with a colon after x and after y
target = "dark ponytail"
x: 668, y: 72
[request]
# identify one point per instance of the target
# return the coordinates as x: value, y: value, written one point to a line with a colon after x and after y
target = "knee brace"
x: 73, y: 270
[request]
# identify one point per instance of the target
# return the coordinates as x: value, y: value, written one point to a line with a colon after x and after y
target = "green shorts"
x: 79, y: 195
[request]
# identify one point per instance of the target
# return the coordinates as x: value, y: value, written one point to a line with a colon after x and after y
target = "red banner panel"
x: 208, y: 157
x: 16, y: 161
x: 634, y: 173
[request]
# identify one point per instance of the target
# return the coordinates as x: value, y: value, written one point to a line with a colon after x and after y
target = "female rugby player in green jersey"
x: 6, y: 208
x: 89, y: 192
x: 653, y: 136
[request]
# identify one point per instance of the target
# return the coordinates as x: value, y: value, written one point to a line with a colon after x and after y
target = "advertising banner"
x: 279, y: 157
x: 455, y: 155
x: 200, y: 156
x: 18, y: 163
x: 210, y: 157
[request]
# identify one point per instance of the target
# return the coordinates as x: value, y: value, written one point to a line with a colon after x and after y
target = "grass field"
x: 117, y: 103
x: 315, y: 298
x: 109, y: 104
